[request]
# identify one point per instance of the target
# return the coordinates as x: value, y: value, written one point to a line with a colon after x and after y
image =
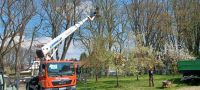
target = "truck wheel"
x: 40, y: 88
x: 28, y: 87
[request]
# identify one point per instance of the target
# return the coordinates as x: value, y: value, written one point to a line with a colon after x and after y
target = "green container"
x: 188, y: 65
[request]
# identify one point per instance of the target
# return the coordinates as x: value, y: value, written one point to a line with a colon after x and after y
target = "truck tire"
x: 40, y: 88
x: 28, y: 87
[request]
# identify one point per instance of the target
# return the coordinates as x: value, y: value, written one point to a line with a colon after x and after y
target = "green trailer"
x: 189, y: 67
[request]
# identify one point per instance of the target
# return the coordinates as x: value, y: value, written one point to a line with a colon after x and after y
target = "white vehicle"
x: 34, y: 66
x: 32, y: 71
x: 1, y: 81
x: 5, y: 83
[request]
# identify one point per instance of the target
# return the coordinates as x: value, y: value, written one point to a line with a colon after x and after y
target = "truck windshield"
x: 60, y: 69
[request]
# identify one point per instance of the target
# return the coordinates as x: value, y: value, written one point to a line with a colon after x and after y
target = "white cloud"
x: 37, y: 41
x: 74, y: 51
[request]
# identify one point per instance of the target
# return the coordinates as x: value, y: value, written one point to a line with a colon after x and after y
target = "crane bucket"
x: 39, y: 53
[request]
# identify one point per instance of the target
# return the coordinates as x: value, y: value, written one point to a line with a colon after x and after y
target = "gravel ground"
x: 190, y: 88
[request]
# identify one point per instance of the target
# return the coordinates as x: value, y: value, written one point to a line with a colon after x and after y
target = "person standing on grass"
x: 151, y: 80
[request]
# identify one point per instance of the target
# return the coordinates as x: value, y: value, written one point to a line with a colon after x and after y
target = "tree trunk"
x: 197, y: 42
x: 69, y: 39
x: 1, y: 62
x: 17, y: 68
x: 117, y: 78
x: 64, y: 50
x: 96, y: 75
x: 137, y: 77
x: 57, y: 55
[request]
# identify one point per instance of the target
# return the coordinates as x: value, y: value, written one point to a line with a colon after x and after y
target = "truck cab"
x: 54, y: 74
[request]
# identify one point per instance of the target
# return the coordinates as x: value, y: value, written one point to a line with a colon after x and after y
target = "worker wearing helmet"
x: 151, y: 80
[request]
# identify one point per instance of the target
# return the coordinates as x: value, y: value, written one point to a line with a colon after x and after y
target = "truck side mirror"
x: 43, y: 69
x: 43, y: 66
x: 78, y: 69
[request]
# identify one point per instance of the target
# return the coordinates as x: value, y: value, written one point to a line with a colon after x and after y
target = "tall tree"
x: 150, y: 19
x: 60, y: 15
x: 15, y: 15
x: 187, y: 23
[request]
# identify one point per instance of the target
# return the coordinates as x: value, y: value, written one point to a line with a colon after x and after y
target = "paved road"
x: 190, y: 88
x: 22, y: 87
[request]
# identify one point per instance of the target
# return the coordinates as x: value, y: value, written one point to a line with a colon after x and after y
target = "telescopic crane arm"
x: 56, y: 41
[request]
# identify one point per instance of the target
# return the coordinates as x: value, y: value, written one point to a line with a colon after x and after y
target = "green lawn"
x: 130, y: 83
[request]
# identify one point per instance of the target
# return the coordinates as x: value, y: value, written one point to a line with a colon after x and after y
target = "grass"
x: 130, y: 83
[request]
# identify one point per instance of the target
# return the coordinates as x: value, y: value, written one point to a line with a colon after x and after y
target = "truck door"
x: 41, y: 76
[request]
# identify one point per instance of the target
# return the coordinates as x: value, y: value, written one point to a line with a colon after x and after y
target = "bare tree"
x: 15, y: 15
x: 151, y: 19
x: 187, y: 24
x: 61, y: 14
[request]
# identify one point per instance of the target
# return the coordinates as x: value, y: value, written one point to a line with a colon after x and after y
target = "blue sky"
x: 74, y: 50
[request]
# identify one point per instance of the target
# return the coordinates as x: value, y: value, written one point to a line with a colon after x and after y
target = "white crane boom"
x: 56, y: 41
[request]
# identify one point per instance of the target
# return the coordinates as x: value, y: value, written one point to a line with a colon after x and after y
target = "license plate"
x: 64, y: 88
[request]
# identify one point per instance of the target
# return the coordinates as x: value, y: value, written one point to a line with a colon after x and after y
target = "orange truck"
x: 59, y: 75
x: 56, y: 74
